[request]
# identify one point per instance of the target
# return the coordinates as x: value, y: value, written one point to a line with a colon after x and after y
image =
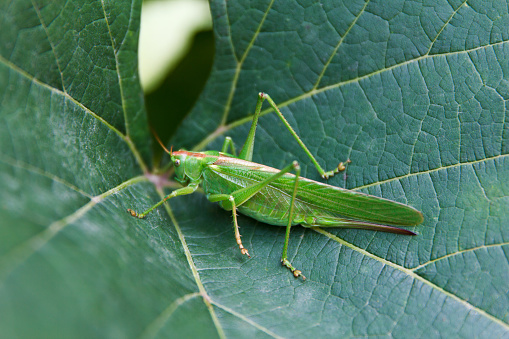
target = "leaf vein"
x: 155, y: 326
x: 15, y: 257
x: 415, y: 276
x: 459, y: 252
x: 193, y: 268
x: 51, y: 44
x: 225, y: 128
x: 245, y: 319
x: 324, y: 68
x: 446, y: 23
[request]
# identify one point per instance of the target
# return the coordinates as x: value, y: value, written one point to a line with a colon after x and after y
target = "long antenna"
x: 160, y: 142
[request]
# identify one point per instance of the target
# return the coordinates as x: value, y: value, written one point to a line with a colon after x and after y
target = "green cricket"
x: 278, y: 197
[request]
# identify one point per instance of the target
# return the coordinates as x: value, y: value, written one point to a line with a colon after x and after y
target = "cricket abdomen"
x: 270, y: 205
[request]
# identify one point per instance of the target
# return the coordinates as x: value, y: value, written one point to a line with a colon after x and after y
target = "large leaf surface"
x: 414, y: 94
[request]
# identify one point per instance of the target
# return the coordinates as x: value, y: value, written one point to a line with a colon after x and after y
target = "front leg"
x: 191, y: 188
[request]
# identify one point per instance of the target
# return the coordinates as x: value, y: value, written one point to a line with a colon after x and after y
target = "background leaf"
x: 414, y: 94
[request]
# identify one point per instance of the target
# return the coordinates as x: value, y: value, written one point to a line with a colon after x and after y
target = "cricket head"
x: 189, y: 166
x: 179, y: 163
x: 183, y: 164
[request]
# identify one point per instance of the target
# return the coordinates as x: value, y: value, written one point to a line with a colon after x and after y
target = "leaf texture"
x: 415, y: 94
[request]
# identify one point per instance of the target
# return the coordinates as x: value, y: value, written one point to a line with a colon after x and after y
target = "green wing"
x: 352, y: 204
x: 339, y: 207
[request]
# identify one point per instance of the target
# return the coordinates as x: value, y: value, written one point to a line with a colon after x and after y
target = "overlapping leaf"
x: 414, y: 94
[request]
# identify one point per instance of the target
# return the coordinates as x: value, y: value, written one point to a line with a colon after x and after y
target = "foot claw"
x: 134, y: 214
x: 342, y: 165
x: 296, y: 273
x: 244, y: 251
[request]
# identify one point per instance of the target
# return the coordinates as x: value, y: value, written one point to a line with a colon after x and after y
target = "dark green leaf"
x: 414, y: 94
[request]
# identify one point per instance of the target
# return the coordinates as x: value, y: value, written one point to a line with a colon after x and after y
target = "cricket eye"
x: 177, y: 162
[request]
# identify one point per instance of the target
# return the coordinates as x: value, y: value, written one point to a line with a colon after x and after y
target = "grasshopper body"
x: 316, y: 203
x: 278, y: 197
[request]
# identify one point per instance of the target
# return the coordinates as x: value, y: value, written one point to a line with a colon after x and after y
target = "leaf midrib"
x: 222, y: 129
x: 415, y: 276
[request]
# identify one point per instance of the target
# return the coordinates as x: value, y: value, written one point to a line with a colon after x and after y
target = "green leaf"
x: 414, y: 94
